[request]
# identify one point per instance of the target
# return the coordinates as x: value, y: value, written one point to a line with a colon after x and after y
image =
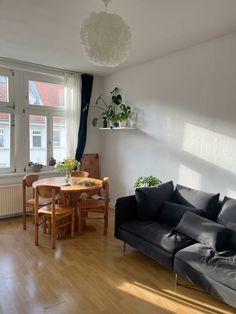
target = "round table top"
x: 75, y: 187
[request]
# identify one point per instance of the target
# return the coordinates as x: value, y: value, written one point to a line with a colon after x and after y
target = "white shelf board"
x: 118, y: 128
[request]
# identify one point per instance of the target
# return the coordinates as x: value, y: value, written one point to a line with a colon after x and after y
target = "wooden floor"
x: 88, y: 274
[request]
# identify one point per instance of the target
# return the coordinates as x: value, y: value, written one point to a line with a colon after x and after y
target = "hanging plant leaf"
x: 117, y: 99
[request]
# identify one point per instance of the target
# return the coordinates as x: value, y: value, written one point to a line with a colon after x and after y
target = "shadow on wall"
x: 196, y: 157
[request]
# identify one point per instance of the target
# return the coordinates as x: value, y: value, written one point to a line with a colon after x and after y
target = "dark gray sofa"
x: 188, y: 231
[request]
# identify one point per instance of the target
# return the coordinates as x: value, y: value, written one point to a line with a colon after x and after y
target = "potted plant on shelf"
x: 35, y: 166
x: 123, y: 115
x: 116, y: 112
x: 67, y: 166
x: 146, y: 182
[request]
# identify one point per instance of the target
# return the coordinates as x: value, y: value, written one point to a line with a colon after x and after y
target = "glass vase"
x: 68, y: 178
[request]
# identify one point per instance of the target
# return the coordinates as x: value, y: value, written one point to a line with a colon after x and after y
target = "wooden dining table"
x: 73, y: 191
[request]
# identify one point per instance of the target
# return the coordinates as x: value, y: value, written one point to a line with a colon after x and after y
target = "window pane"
x: 5, y: 140
x: 59, y: 138
x: 4, y: 91
x: 46, y: 94
x: 38, y: 139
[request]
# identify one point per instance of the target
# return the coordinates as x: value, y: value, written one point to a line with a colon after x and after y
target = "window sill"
x: 20, y: 174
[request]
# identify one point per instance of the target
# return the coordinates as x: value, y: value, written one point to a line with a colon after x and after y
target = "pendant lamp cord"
x: 106, y: 2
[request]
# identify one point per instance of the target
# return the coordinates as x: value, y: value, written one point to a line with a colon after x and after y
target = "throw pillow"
x: 227, y: 212
x: 171, y: 213
x: 150, y: 199
x: 198, y: 199
x: 231, y: 238
x: 203, y: 230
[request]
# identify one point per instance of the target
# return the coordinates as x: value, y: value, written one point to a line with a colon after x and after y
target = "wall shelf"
x: 118, y: 128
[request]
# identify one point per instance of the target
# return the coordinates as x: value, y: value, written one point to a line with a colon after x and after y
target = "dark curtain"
x: 86, y: 90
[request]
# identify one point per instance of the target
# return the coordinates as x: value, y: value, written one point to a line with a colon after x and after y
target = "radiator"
x: 11, y: 200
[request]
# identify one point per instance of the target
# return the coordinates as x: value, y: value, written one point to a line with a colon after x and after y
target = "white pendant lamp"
x: 106, y: 38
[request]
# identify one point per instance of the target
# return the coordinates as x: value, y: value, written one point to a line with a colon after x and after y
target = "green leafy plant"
x: 116, y: 111
x: 146, y: 182
x: 124, y: 113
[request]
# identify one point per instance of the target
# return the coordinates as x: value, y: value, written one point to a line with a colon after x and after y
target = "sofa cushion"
x: 158, y: 234
x: 199, y: 262
x: 227, y: 211
x: 231, y: 238
x: 203, y: 230
x: 150, y: 199
x: 198, y: 199
x: 171, y: 213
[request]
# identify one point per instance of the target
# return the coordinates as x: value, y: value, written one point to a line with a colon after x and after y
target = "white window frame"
x: 3, y: 134
x: 9, y: 108
x: 47, y: 111
x: 39, y: 134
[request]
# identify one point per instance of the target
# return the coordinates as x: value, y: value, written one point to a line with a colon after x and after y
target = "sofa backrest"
x: 207, y: 202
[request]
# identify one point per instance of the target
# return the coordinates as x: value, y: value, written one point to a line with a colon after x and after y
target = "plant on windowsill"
x: 146, y: 182
x: 36, y: 167
x: 109, y: 114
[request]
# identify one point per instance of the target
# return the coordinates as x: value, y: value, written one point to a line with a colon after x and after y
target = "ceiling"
x: 47, y: 31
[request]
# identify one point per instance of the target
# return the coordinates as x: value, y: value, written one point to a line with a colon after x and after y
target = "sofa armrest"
x: 125, y: 209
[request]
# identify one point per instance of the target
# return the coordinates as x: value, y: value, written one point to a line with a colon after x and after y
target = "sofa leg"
x: 124, y: 247
x: 176, y: 281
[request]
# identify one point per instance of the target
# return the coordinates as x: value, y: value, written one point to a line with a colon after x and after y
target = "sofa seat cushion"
x: 200, y: 259
x: 158, y: 234
x: 198, y: 199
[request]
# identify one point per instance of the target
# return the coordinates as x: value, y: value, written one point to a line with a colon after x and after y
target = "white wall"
x: 187, y: 121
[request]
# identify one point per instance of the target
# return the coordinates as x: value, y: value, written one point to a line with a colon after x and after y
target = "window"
x: 59, y: 138
x: 39, y: 110
x: 4, y: 89
x: 5, y: 140
x: 2, y: 138
x: 46, y: 94
x: 38, y: 139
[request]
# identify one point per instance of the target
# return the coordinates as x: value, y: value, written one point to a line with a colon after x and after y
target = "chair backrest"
x: 46, y: 191
x: 79, y: 173
x: 105, y: 186
x: 28, y: 180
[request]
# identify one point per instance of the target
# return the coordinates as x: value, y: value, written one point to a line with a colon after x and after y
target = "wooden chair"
x: 27, y: 182
x: 100, y: 206
x: 54, y: 213
x: 78, y: 173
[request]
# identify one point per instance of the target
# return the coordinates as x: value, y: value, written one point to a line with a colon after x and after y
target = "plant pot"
x: 123, y: 124
x: 111, y: 124
x: 36, y: 168
x: 104, y: 123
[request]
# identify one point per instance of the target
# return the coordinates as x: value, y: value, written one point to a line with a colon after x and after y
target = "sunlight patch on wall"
x: 231, y: 193
x: 213, y: 147
x: 187, y: 175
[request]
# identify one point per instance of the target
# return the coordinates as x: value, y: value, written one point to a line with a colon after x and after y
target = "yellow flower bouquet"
x: 68, y: 165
